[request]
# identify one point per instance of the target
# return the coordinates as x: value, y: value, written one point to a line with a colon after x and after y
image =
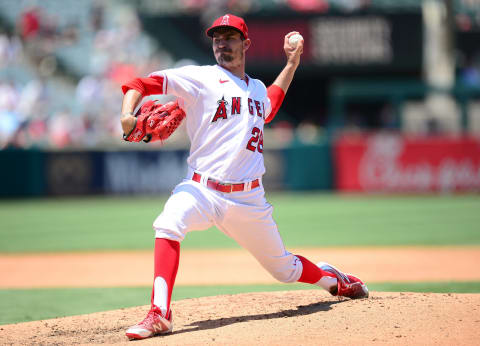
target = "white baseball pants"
x: 245, y: 216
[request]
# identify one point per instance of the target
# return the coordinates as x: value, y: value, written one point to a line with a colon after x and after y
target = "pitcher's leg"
x: 266, y: 245
x: 166, y: 259
x: 159, y: 318
x: 269, y: 250
x: 254, y: 229
x: 312, y: 274
x: 186, y: 210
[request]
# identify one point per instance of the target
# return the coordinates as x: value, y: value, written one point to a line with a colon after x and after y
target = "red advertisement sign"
x: 393, y: 163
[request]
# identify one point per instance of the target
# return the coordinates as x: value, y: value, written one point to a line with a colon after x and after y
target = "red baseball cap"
x: 229, y: 21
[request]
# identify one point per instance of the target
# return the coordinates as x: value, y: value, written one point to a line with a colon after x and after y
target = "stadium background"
x: 379, y: 82
x: 386, y: 104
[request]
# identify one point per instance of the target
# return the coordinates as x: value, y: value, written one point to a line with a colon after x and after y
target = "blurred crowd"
x: 51, y: 109
x: 44, y: 104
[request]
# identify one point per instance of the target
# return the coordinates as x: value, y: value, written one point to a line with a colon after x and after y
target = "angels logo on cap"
x: 225, y: 20
x: 229, y: 21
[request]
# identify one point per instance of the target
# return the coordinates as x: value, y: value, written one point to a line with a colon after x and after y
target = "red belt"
x: 223, y: 187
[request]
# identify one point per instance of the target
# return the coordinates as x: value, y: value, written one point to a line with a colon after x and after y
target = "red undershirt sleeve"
x: 146, y: 86
x: 276, y: 96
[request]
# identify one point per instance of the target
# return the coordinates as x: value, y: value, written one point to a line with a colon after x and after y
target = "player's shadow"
x: 221, y: 322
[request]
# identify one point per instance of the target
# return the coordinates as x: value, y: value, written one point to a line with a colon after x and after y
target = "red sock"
x: 166, y: 258
x: 311, y: 273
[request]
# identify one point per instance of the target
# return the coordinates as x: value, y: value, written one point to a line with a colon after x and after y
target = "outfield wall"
x: 37, y: 173
x: 363, y: 163
x: 392, y: 163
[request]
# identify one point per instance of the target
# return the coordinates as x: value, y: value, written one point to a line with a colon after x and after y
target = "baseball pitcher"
x: 225, y: 111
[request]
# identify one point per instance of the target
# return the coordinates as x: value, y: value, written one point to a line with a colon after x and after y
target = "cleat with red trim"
x: 153, y: 324
x: 347, y: 285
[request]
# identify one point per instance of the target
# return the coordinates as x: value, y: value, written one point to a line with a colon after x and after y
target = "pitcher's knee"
x: 285, y: 277
x: 285, y: 269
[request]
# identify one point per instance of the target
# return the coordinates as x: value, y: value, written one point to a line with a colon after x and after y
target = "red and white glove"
x: 156, y: 122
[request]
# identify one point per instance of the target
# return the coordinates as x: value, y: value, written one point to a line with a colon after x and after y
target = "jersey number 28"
x: 256, y: 142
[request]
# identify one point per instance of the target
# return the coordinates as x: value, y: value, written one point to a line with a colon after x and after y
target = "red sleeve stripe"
x: 133, y: 84
x: 145, y: 86
x: 276, y: 96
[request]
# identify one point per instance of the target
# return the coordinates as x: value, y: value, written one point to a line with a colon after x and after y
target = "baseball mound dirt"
x: 278, y: 318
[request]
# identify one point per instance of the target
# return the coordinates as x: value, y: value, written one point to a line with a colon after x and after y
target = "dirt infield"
x: 276, y: 318
x: 236, y: 266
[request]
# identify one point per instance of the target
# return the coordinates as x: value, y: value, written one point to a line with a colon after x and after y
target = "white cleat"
x: 153, y: 324
x: 347, y: 285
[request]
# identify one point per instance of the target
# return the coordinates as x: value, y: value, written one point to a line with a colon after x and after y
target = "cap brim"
x: 212, y: 29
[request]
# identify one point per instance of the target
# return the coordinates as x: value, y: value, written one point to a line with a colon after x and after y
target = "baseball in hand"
x: 293, y: 40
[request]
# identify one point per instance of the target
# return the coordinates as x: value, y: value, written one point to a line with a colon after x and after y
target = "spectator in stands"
x: 10, y: 48
x: 470, y: 73
x: 9, y: 119
x: 29, y: 24
x: 97, y: 15
x: 308, y: 5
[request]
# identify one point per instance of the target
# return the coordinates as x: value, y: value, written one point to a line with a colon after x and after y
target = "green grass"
x: 36, y: 304
x: 304, y: 219
x: 377, y: 220
x: 435, y: 287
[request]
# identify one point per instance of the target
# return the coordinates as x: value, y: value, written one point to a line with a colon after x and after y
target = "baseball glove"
x: 155, y: 122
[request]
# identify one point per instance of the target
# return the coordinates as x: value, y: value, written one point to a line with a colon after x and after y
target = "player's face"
x: 229, y: 47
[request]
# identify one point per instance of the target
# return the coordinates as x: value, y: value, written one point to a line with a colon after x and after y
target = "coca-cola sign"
x: 393, y: 163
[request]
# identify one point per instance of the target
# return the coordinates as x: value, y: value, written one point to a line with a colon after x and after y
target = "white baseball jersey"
x: 225, y: 118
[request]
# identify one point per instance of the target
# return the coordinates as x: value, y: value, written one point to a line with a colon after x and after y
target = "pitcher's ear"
x: 246, y: 44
